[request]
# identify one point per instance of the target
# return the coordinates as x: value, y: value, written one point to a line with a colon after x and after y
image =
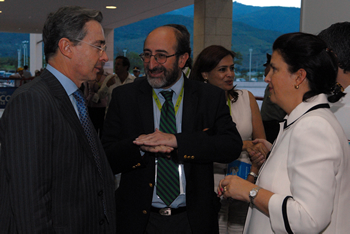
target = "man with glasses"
x: 54, y: 174
x: 164, y: 132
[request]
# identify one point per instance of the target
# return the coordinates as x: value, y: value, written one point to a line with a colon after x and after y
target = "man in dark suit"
x: 54, y: 175
x: 136, y: 147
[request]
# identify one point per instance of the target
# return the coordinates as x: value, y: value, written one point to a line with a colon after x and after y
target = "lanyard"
x: 229, y: 103
x: 178, y: 102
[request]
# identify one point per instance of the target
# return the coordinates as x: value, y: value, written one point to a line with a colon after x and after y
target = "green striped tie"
x: 167, y: 175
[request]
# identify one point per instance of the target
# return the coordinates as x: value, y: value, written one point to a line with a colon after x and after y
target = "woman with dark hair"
x: 215, y: 65
x: 304, y: 186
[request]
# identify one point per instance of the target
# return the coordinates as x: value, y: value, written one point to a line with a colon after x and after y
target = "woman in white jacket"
x: 304, y: 186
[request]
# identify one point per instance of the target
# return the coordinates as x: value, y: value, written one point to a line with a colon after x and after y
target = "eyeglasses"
x: 160, y: 58
x: 102, y: 48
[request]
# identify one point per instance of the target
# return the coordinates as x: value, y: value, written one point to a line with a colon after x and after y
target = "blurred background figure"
x: 26, y: 72
x: 215, y: 65
x: 96, y: 105
x: 121, y: 77
x: 37, y: 73
x: 337, y: 37
x: 136, y: 71
x: 271, y: 113
x: 18, y: 76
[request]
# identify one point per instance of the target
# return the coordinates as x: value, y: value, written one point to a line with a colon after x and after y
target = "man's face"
x: 119, y: 67
x: 86, y: 59
x: 136, y: 73
x: 162, y: 40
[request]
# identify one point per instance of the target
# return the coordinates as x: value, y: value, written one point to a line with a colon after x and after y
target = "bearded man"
x: 163, y: 133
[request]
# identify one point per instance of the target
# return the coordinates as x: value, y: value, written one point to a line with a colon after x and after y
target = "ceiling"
x: 26, y: 16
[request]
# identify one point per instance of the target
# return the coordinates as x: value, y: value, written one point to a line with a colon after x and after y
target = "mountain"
x: 252, y: 28
x: 10, y: 42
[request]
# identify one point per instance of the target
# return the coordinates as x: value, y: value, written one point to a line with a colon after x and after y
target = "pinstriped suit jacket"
x: 49, y: 182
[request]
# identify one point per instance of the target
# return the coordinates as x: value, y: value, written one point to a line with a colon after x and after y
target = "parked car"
x: 2, y: 74
x: 240, y: 80
x: 254, y: 79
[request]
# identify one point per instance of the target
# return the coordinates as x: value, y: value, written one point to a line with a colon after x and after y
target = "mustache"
x: 156, y: 69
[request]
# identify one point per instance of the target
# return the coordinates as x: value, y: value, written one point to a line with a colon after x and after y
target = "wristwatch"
x: 253, y: 193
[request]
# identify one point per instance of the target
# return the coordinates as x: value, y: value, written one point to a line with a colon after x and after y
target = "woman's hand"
x: 235, y: 187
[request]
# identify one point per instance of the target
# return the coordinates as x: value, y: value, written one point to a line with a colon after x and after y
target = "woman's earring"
x: 296, y: 86
x: 205, y: 80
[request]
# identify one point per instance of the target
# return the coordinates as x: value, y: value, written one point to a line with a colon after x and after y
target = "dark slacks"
x: 173, y: 224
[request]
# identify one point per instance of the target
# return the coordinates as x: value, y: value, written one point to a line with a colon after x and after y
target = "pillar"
x: 212, y: 24
x: 109, y: 35
x: 36, y: 52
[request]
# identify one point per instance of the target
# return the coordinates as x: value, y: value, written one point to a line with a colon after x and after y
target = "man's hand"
x: 110, y: 82
x: 157, y: 149
x: 157, y: 138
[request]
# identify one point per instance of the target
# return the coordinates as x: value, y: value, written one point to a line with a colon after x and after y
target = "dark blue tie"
x: 88, y: 129
x: 167, y: 174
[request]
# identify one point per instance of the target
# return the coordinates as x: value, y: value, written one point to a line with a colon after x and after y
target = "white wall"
x: 317, y: 15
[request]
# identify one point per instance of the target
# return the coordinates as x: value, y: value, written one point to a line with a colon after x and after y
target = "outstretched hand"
x: 156, y: 142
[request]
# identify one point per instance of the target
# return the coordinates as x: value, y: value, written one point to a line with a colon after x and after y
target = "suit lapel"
x: 190, y: 101
x: 66, y: 108
x: 146, y: 106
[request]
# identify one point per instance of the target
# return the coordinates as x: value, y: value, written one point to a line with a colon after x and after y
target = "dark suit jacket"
x: 49, y: 182
x: 130, y: 114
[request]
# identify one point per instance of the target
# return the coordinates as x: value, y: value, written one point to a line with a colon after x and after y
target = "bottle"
x: 240, y: 167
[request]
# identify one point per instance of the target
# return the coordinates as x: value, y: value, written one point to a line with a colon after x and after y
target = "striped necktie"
x: 88, y: 129
x: 168, y: 185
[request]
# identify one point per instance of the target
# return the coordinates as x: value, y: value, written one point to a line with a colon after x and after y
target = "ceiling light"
x: 0, y: 12
x: 2, y: 0
x: 108, y: 7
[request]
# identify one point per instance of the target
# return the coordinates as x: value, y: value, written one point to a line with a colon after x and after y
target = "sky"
x: 285, y: 3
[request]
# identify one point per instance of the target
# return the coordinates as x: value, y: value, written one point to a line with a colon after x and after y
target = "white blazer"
x: 310, y: 163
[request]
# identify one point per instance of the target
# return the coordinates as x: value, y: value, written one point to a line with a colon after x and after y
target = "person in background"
x: 26, y: 72
x: 271, y: 113
x: 18, y: 76
x: 215, y: 65
x: 304, y: 186
x: 96, y: 107
x: 54, y: 174
x: 121, y: 77
x: 168, y: 121
x: 136, y: 71
x: 337, y: 37
x: 37, y: 73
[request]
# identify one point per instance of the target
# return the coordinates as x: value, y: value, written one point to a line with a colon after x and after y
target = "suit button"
x: 139, y: 164
x: 192, y: 157
x: 100, y: 193
x: 144, y: 212
x: 150, y: 184
x: 133, y: 167
x: 102, y: 221
x: 185, y: 156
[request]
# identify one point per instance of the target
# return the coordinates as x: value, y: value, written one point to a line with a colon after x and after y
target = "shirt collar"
x: 305, y: 106
x: 176, y: 87
x: 67, y: 83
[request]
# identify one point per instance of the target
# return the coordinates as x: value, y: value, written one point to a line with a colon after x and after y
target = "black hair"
x: 207, y: 60
x: 309, y: 52
x: 126, y: 62
x: 337, y: 37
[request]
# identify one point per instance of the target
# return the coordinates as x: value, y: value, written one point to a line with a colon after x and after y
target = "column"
x: 212, y: 24
x: 36, y: 52
x: 109, y: 35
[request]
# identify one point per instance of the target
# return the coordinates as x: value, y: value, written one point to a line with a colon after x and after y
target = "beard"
x: 170, y: 76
